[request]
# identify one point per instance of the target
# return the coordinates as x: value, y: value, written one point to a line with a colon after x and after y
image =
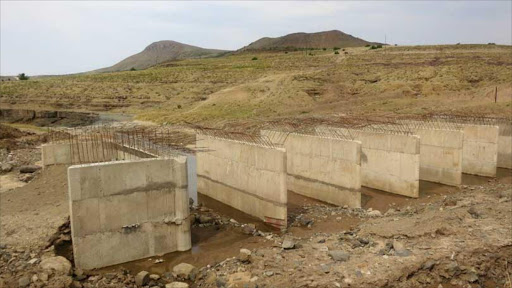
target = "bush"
x: 179, y: 106
x: 254, y: 58
x: 367, y: 45
x: 336, y: 48
x: 311, y: 54
x: 379, y: 46
x: 375, y: 47
x: 133, y: 69
x: 22, y: 76
x: 285, y: 52
x: 343, y: 49
x: 336, y: 52
x: 491, y: 43
x: 324, y: 49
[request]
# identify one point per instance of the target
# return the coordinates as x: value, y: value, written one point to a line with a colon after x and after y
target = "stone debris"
x: 58, y: 264
x: 288, y: 244
x: 142, y: 278
x: 177, y: 285
x: 339, y: 255
x: 184, y: 271
x: 245, y: 255
x: 29, y: 168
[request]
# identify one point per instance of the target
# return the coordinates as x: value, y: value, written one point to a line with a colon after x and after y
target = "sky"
x: 60, y: 37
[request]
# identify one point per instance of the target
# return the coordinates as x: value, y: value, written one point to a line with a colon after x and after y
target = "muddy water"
x: 209, y: 244
x: 382, y: 201
x: 232, y: 213
x: 502, y: 176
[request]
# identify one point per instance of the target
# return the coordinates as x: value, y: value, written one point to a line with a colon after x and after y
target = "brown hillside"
x: 160, y: 52
x: 326, y: 39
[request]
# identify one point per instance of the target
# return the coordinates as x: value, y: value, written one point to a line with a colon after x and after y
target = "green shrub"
x: 336, y: 52
x: 324, y: 49
x: 254, y: 58
x: 367, y: 45
x: 285, y: 52
x: 133, y: 69
x: 336, y: 48
x: 22, y: 76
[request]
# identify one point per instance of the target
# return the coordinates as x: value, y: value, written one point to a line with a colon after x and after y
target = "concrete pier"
x: 324, y: 168
x: 246, y: 176
x: 128, y: 210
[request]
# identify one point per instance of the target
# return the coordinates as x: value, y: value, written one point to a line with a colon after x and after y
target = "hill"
x: 326, y: 39
x: 160, y: 52
x: 358, y: 81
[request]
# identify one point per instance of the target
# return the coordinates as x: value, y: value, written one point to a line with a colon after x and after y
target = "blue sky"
x: 70, y: 36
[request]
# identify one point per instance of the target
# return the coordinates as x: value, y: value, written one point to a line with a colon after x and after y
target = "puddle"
x: 382, y: 201
x: 209, y: 245
x: 232, y: 213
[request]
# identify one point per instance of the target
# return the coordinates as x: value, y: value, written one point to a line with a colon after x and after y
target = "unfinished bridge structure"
x: 129, y: 188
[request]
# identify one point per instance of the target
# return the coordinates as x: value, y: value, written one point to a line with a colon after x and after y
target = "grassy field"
x: 423, y: 79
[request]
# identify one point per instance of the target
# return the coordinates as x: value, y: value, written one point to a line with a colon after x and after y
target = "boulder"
x: 6, y: 167
x: 245, y: 255
x: 142, y: 278
x: 288, y: 244
x: 185, y: 271
x: 58, y: 263
x: 339, y: 255
x: 29, y: 168
x: 176, y: 285
x: 23, y: 282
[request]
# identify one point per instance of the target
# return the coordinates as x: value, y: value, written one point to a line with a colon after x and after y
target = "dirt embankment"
x: 47, y: 117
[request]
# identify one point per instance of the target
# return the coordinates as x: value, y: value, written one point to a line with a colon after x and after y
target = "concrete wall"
x: 505, y: 146
x: 248, y: 177
x: 324, y: 168
x: 128, y: 210
x: 441, y: 155
x: 52, y: 154
x: 88, y: 152
x: 389, y: 162
x: 480, y: 150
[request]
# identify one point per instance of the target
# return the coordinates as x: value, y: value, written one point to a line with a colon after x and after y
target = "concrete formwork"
x: 324, y: 168
x: 441, y: 155
x: 505, y: 146
x: 480, y: 150
x: 128, y: 210
x: 248, y: 177
x: 389, y: 162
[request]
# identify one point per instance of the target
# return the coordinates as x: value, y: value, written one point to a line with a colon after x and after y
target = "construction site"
x: 388, y: 201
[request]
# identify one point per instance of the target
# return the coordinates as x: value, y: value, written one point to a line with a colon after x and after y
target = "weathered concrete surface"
x: 505, y: 146
x: 248, y: 177
x: 324, y: 168
x: 127, y: 210
x: 52, y: 154
x: 389, y: 162
x: 480, y: 150
x: 441, y: 155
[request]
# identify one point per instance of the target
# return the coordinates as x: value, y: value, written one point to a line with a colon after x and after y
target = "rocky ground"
x: 459, y: 239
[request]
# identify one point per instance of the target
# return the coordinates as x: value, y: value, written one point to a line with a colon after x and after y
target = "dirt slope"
x: 326, y: 39
x: 160, y: 52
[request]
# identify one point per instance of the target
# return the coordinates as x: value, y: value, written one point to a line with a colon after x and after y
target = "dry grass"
x: 392, y: 80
